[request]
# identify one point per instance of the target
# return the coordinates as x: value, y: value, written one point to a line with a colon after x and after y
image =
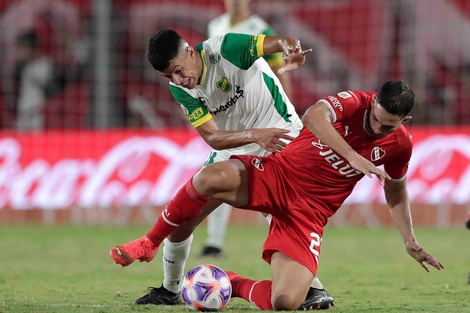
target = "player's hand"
x: 422, y: 257
x: 293, y: 56
x: 270, y: 138
x: 368, y: 168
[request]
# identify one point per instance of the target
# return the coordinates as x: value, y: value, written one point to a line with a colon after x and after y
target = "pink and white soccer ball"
x: 206, y: 288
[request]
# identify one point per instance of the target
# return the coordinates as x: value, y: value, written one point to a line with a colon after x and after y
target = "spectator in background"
x: 46, y: 85
x: 34, y: 76
x: 434, y: 56
x: 237, y: 19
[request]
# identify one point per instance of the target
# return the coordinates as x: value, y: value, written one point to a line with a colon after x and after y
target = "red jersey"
x: 307, y: 182
x: 331, y: 176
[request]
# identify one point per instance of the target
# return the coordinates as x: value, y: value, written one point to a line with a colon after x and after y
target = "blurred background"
x: 91, y: 133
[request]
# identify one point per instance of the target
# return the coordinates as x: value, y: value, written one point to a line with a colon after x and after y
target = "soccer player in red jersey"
x: 345, y: 137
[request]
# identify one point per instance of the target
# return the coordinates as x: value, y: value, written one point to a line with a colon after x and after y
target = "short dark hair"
x: 397, y: 98
x: 163, y: 47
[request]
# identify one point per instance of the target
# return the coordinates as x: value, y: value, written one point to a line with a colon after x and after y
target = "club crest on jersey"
x: 377, y: 153
x: 239, y: 93
x: 344, y: 94
x: 214, y: 58
x: 258, y: 164
x: 224, y: 85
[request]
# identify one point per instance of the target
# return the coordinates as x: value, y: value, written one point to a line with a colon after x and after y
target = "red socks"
x: 187, y: 203
x: 257, y: 292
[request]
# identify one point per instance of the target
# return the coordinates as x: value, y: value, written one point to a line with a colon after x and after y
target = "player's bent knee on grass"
x: 286, y: 301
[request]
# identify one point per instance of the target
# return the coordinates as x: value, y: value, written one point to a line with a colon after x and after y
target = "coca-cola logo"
x: 148, y: 170
x: 136, y: 171
x: 440, y: 170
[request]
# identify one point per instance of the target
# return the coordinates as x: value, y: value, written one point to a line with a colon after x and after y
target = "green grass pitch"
x: 66, y: 269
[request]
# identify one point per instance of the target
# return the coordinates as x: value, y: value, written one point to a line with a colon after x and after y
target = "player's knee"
x: 286, y: 301
x: 210, y: 179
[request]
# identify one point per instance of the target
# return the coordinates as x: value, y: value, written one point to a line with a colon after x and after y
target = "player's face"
x: 183, y: 71
x: 236, y: 7
x: 379, y: 123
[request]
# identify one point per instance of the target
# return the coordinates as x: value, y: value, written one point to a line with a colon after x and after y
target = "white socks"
x: 217, y: 225
x: 316, y: 283
x: 176, y: 254
x: 174, y: 260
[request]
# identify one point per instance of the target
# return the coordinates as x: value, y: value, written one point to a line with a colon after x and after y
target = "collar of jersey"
x: 201, y: 80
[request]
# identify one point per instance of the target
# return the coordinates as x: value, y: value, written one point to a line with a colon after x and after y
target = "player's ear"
x: 406, y: 119
x: 189, y: 50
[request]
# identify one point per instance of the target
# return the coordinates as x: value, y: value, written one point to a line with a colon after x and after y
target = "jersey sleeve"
x: 342, y: 105
x: 242, y: 50
x: 193, y: 108
x: 274, y: 60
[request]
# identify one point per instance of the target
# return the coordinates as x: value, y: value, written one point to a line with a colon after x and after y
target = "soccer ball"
x: 206, y: 288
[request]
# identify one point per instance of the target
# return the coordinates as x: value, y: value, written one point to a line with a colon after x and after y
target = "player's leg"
x: 225, y: 181
x: 177, y: 247
x: 175, y: 253
x: 286, y: 291
x: 185, y: 206
x: 291, y: 282
x: 176, y: 250
x: 317, y: 297
x: 217, y: 223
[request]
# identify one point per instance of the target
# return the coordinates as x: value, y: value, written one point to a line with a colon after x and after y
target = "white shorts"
x: 222, y: 155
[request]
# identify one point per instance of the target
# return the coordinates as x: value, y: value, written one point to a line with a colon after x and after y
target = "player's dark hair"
x: 397, y: 98
x: 163, y: 47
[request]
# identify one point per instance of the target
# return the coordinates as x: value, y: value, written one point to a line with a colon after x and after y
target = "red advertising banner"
x: 120, y: 171
x: 439, y: 170
x: 59, y: 170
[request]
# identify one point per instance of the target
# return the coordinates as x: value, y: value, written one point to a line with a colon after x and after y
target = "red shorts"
x: 297, y: 226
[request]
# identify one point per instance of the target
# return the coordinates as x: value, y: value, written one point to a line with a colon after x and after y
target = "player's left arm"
x: 267, y: 138
x: 243, y: 50
x: 276, y: 62
x: 397, y: 199
x: 284, y: 78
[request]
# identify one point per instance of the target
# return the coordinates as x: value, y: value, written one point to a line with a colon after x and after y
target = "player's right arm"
x: 199, y: 117
x: 319, y: 120
x: 267, y: 138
